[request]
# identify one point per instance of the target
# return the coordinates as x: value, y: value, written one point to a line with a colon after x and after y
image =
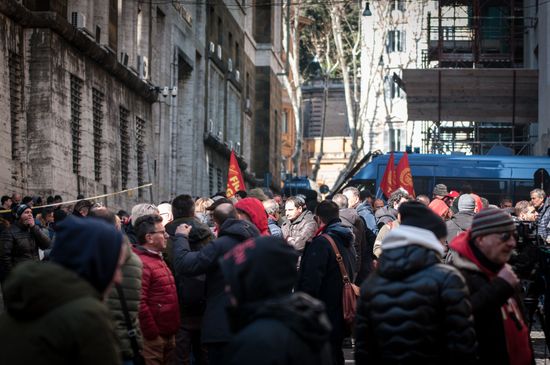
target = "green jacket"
x: 131, y: 285
x: 54, y: 317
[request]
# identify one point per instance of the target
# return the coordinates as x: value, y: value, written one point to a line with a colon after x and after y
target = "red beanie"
x: 255, y: 210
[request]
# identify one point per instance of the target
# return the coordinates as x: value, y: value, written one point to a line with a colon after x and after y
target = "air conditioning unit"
x: 124, y: 58
x: 219, y: 52
x: 237, y: 76
x: 143, y: 67
x: 78, y: 20
x: 230, y: 65
x: 212, y: 47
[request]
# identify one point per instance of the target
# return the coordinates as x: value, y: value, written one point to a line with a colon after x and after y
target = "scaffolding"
x: 475, y: 34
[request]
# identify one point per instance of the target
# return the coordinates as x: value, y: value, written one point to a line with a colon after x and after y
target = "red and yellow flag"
x: 235, y: 180
x: 389, y: 180
x: 404, y: 176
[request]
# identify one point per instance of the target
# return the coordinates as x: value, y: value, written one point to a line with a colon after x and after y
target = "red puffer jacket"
x: 158, y: 310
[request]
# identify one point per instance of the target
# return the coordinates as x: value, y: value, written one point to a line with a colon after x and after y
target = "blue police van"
x: 491, y: 176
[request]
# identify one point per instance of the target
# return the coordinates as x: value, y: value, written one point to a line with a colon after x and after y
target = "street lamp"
x: 367, y: 11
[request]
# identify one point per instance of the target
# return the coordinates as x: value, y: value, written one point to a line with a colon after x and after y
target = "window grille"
x: 211, y: 179
x: 97, y: 113
x: 219, y: 179
x: 76, y: 105
x: 16, y: 101
x: 140, y: 149
x: 124, y: 146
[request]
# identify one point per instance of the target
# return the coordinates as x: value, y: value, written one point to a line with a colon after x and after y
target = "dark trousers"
x: 216, y: 352
x: 188, y: 341
x: 337, y: 351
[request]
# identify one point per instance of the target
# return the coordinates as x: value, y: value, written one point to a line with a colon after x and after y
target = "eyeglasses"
x: 504, y: 237
x: 162, y: 232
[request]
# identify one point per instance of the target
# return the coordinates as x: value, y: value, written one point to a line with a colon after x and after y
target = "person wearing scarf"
x: 481, y: 254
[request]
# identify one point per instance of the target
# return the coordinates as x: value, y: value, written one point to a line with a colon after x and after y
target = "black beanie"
x: 259, y: 269
x: 416, y: 214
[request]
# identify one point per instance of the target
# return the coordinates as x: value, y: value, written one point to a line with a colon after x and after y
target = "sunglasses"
x: 504, y: 237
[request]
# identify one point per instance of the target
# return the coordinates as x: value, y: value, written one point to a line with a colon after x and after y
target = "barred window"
x: 140, y: 147
x: 97, y: 109
x: 16, y: 101
x: 76, y: 105
x: 124, y: 146
x: 211, y: 179
x: 219, y: 179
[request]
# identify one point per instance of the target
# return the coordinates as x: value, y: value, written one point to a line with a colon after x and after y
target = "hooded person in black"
x: 320, y: 275
x: 215, y: 332
x: 54, y: 310
x: 272, y: 325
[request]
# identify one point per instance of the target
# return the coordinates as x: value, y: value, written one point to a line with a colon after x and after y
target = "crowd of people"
x: 258, y: 278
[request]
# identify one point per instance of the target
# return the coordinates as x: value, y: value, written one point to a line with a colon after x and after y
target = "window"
x: 391, y: 89
x: 284, y: 122
x: 124, y: 145
x: 140, y: 152
x: 211, y: 179
x: 233, y: 116
x: 16, y: 101
x: 398, y: 5
x: 76, y: 104
x: 216, y: 100
x: 395, y: 41
x: 219, y: 179
x: 97, y: 115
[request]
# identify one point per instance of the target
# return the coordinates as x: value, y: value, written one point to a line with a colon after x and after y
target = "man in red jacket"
x: 159, y: 315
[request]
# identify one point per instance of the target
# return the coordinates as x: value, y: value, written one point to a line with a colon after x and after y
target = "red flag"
x: 389, y: 181
x: 404, y: 176
x: 235, y: 180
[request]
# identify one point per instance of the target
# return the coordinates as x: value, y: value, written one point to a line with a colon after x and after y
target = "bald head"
x: 223, y: 212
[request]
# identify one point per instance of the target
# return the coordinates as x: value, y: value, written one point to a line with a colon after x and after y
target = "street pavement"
x: 542, y: 355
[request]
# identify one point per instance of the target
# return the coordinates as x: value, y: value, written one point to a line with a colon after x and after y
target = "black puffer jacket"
x: 299, y: 324
x: 413, y: 309
x: 18, y: 244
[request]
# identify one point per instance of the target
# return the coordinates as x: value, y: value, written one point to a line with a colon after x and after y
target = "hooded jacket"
x: 271, y: 325
x: 502, y: 334
x: 19, y: 243
x: 297, y: 322
x: 320, y: 275
x: 255, y: 210
x: 54, y: 317
x: 205, y: 261
x: 413, y: 309
x: 458, y: 223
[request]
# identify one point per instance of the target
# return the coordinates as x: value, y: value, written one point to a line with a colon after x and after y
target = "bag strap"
x: 132, y: 333
x: 339, y: 258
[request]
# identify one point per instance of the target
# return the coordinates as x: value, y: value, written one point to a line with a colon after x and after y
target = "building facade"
x: 103, y: 96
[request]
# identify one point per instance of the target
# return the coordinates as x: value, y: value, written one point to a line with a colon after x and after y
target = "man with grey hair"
x: 139, y: 210
x: 272, y: 209
x: 350, y: 218
x: 363, y: 208
x: 539, y: 201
